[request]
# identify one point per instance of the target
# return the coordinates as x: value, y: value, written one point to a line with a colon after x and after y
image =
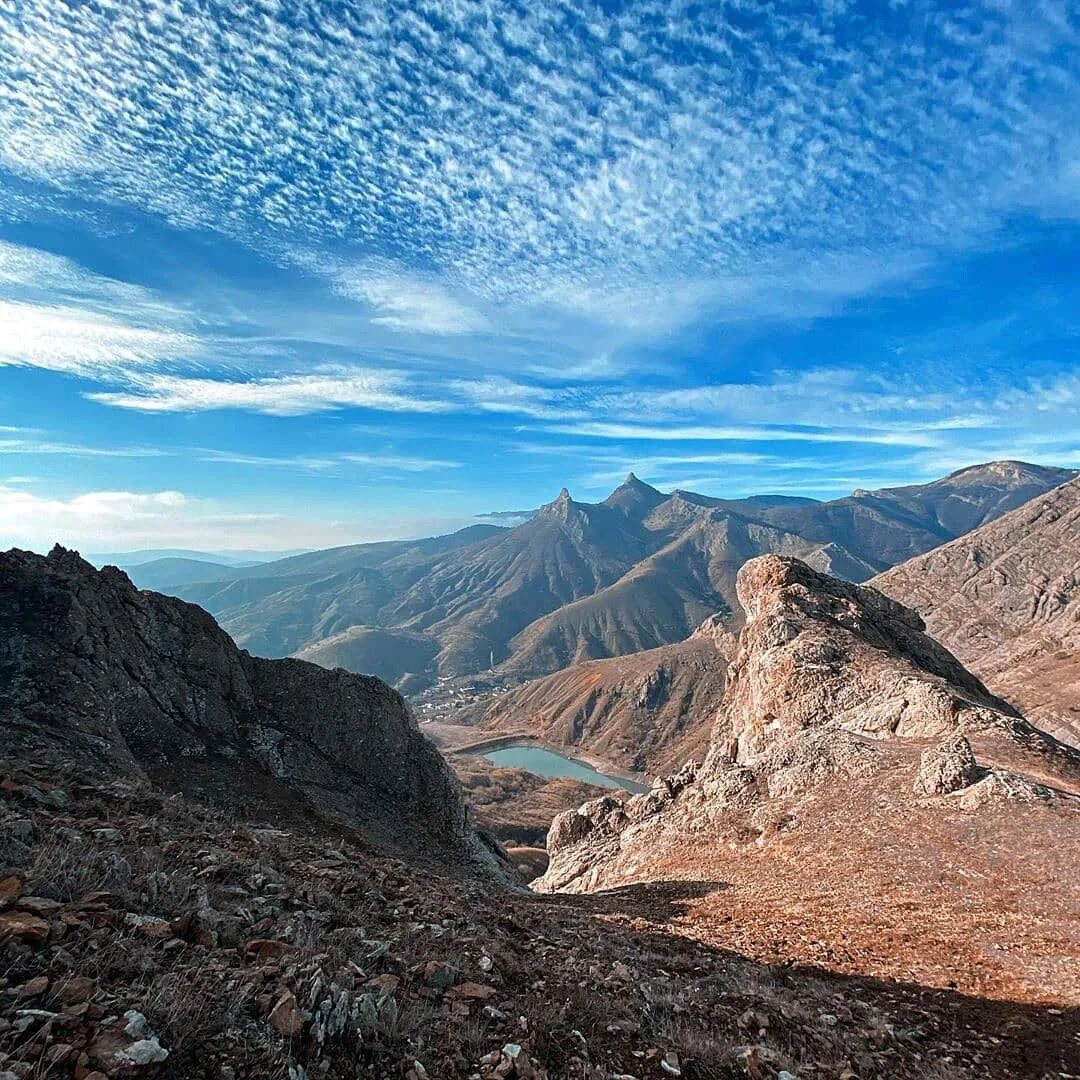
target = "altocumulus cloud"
x: 553, y: 152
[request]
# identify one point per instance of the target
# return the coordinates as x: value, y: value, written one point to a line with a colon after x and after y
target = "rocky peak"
x: 817, y: 651
x: 560, y: 507
x: 634, y: 496
x: 99, y: 674
x: 831, y: 682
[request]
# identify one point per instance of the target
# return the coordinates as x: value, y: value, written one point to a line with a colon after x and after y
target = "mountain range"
x: 577, y: 581
x: 1004, y: 597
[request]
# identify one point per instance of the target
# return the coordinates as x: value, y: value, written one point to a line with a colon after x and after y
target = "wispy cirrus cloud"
x: 405, y: 301
x: 33, y: 443
x: 384, y: 462
x: 80, y: 342
x: 745, y: 433
x: 276, y: 395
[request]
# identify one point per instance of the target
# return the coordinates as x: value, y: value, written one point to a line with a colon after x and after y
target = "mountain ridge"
x: 1006, y: 599
x: 583, y: 581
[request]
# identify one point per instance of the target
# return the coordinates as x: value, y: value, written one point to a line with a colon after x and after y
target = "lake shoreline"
x: 510, y: 740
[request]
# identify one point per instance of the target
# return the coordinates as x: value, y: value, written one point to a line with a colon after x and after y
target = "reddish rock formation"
x: 833, y: 696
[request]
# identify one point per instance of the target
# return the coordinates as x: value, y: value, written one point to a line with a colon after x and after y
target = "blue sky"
x: 277, y: 275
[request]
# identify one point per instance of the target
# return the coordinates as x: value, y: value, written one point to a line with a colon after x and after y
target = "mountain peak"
x: 560, y: 506
x: 634, y: 494
x: 1009, y: 472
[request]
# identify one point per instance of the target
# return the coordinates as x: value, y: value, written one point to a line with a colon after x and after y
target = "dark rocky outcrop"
x: 94, y: 671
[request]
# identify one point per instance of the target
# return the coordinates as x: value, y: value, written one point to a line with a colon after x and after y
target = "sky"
x: 294, y: 274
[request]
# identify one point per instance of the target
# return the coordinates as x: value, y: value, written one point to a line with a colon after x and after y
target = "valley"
x: 804, y: 825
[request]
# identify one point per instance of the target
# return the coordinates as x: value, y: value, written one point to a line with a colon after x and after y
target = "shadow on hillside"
x: 661, y: 900
x: 990, y: 1037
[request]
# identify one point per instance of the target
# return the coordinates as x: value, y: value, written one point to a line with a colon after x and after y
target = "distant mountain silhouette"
x: 582, y: 581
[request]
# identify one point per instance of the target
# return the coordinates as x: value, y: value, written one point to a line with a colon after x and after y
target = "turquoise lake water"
x: 543, y: 762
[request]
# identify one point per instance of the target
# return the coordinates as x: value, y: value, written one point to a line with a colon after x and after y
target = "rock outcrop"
x: 1006, y: 600
x: 841, y: 718
x: 96, y: 672
x: 947, y: 768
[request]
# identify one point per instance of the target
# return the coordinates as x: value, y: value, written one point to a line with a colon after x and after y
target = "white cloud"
x: 743, y: 433
x: 57, y: 315
x: 401, y: 462
x: 117, y: 520
x: 81, y: 342
x: 497, y: 394
x: 37, y: 445
x: 406, y: 301
x: 579, y: 154
x: 377, y: 461
x: 277, y: 395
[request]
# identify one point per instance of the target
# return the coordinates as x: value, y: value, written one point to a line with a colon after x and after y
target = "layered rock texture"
x: 579, y: 581
x: 858, y: 778
x: 144, y: 935
x: 1006, y: 600
x: 134, y: 683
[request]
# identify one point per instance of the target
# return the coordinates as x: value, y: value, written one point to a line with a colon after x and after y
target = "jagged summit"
x: 634, y: 497
x: 580, y: 579
x: 560, y: 506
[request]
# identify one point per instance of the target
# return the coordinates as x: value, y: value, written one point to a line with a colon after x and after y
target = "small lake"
x: 544, y: 762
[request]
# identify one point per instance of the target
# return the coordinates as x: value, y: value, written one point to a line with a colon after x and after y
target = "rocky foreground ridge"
x: 854, y: 757
x: 137, y: 684
x: 145, y: 934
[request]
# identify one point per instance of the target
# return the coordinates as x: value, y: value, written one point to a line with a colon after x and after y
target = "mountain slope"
x: 859, y: 782
x: 400, y: 658
x: 1006, y: 600
x: 664, y: 597
x: 890, y: 525
x: 582, y: 581
x: 647, y: 712
x: 173, y: 572
x: 475, y: 601
x: 139, y: 684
